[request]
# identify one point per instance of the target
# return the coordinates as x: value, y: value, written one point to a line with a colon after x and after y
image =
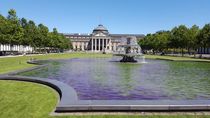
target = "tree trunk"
x: 200, y: 55
x: 189, y: 51
x: 194, y: 53
x: 204, y: 50
x: 182, y: 52
x: 174, y: 52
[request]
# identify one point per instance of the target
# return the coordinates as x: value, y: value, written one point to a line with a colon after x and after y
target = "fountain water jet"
x: 143, y: 59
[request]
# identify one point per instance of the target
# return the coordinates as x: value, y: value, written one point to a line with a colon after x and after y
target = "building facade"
x: 100, y: 40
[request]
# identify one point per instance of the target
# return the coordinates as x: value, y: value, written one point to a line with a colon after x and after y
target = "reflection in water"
x: 49, y: 71
x: 188, y: 80
x: 126, y: 84
x: 100, y: 79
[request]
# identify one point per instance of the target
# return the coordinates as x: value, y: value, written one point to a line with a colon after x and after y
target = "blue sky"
x: 119, y: 16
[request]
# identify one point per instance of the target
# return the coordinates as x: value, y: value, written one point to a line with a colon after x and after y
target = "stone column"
x: 95, y: 44
x: 102, y: 44
x: 86, y: 46
x: 110, y: 45
x: 92, y: 45
x: 106, y: 43
x: 82, y: 45
x: 78, y: 45
x: 113, y: 47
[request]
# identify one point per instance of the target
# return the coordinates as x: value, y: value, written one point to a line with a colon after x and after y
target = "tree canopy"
x: 20, y: 31
x: 180, y: 39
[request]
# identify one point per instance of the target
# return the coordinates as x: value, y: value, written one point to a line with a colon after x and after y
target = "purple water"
x: 102, y: 79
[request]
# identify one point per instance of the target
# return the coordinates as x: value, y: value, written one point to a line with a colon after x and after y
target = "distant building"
x: 15, y: 49
x: 99, y: 41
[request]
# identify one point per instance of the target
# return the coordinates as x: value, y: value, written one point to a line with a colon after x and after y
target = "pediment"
x: 100, y: 34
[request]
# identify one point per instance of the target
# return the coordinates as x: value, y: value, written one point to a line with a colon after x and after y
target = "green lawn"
x: 26, y: 100
x: 29, y: 100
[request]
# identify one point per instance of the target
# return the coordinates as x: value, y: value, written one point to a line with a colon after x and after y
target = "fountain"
x: 129, y: 50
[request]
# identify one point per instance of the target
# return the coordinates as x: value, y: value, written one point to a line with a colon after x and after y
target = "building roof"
x: 100, y: 31
x: 137, y: 35
x: 76, y: 34
x: 100, y: 27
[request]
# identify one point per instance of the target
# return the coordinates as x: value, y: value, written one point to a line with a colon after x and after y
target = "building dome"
x: 100, y: 29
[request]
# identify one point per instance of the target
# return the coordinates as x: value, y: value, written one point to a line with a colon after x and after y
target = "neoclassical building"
x: 100, y: 40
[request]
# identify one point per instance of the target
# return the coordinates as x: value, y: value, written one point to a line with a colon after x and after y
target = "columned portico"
x: 99, y: 40
x: 99, y: 44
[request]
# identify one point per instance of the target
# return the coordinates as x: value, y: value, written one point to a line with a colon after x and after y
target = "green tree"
x: 58, y: 41
x: 41, y: 39
x: 14, y: 32
x: 144, y: 43
x: 54, y: 39
x: 178, y: 38
x: 162, y: 40
x: 12, y: 15
x: 148, y: 43
x: 32, y: 33
x: 204, y: 37
x: 192, y: 39
x: 3, y: 29
x: 26, y: 39
x: 66, y: 43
